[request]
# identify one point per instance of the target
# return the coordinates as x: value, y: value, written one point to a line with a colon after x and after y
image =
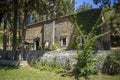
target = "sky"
x: 80, y: 2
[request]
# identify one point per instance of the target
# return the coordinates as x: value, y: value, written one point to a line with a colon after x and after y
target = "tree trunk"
x: 23, y: 34
x: 5, y: 36
x: 9, y: 40
x: 106, y: 38
x: 19, y: 30
x: 15, y: 29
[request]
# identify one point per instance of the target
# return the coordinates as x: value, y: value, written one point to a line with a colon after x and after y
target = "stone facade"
x: 34, y: 34
x: 58, y: 31
x: 63, y: 29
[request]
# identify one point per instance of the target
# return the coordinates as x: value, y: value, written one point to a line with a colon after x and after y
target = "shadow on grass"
x: 73, y: 73
x: 8, y: 67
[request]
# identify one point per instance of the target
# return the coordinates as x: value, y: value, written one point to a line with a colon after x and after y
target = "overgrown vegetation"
x: 112, y: 63
x: 73, y: 44
x: 45, y: 65
x: 49, y: 66
x: 86, y: 59
x: 88, y: 19
x: 112, y: 18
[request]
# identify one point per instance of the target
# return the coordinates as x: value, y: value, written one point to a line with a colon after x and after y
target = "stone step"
x: 24, y: 64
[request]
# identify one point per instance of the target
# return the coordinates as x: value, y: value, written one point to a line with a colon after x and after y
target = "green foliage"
x: 104, y: 3
x: 86, y: 63
x: 44, y: 8
x: 88, y: 19
x: 40, y: 47
x: 112, y: 63
x: 47, y: 66
x: 112, y: 19
x: 84, y: 7
x: 73, y: 45
x: 68, y: 65
x: 54, y: 47
x: 1, y: 35
x: 1, y: 26
x: 86, y: 59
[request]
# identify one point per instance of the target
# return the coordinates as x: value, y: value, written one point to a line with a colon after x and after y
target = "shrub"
x: 86, y: 63
x: 54, y: 47
x: 86, y: 59
x: 48, y: 66
x: 40, y: 47
x: 112, y: 63
x: 73, y: 45
x: 68, y: 66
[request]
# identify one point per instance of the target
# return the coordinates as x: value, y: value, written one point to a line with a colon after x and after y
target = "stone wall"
x: 34, y: 31
x: 63, y: 28
x: 61, y: 57
x: 48, y: 32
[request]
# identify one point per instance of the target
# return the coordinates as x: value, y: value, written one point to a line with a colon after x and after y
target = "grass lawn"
x: 29, y: 74
x: 33, y: 74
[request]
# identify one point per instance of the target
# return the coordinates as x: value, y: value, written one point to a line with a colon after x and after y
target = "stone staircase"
x: 24, y: 64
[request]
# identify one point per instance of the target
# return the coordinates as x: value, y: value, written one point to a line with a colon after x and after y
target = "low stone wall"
x: 62, y: 57
x: 65, y: 57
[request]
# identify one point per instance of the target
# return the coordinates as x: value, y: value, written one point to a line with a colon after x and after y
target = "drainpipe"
x: 54, y: 15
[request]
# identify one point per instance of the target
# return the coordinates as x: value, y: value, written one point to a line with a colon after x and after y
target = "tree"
x: 111, y: 18
x: 111, y: 12
x: 84, y: 6
x: 10, y: 9
x: 4, y: 14
x: 48, y: 8
x: 103, y: 3
x: 26, y: 6
x: 15, y: 4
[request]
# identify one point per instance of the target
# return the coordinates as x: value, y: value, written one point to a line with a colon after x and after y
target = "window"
x: 64, y: 41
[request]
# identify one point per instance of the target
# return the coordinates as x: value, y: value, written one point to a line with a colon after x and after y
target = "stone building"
x: 46, y: 33
x: 60, y: 31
